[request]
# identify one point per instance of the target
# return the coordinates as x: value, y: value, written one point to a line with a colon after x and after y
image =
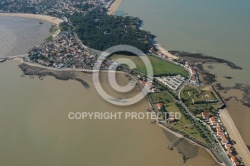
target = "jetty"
x: 176, y: 142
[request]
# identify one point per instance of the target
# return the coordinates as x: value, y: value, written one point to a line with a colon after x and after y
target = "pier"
x: 176, y: 142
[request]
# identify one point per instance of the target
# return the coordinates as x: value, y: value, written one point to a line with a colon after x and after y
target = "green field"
x: 200, y: 95
x: 162, y: 97
x: 184, y: 125
x: 160, y: 67
x: 196, y: 99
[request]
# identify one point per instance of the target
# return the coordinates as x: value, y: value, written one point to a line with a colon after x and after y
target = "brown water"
x: 18, y: 35
x: 216, y: 28
x: 35, y: 129
x: 239, y: 113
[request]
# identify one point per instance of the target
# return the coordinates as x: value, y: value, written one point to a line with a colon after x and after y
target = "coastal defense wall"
x: 185, y: 136
x: 200, y: 144
x: 217, y: 95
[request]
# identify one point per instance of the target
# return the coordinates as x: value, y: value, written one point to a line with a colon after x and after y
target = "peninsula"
x: 85, y: 28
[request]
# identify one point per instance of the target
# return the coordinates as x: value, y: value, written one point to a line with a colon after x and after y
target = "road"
x: 82, y: 45
x: 240, y: 145
x: 216, y: 148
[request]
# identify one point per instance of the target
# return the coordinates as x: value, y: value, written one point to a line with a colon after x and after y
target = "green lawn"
x: 183, y: 124
x: 189, y: 93
x: 160, y: 67
x: 162, y: 97
x: 197, y: 93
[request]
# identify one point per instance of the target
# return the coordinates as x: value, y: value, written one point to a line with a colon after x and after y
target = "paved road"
x: 240, y: 145
x: 217, y: 148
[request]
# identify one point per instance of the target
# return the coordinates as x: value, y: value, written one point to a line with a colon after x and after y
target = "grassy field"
x: 190, y: 94
x: 160, y: 66
x: 182, y: 124
x: 198, y: 94
x: 162, y: 97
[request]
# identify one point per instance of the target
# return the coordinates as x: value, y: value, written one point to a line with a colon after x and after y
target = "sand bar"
x: 35, y: 16
x: 234, y: 134
x: 114, y: 6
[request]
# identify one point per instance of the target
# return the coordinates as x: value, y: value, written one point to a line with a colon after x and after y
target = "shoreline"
x: 29, y: 70
x: 165, y: 51
x: 204, y: 58
x: 47, y: 18
x: 200, y: 60
x: 54, y: 20
x: 240, y: 145
x: 33, y: 69
x: 192, y: 142
x: 114, y: 7
x: 208, y: 79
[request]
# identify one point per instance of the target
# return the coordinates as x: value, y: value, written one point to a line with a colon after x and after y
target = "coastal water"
x: 34, y: 124
x: 18, y: 35
x: 216, y: 28
x: 35, y: 129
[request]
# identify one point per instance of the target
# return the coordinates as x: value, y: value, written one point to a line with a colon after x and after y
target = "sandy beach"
x: 114, y: 6
x: 35, y: 16
x: 234, y: 134
x: 164, y: 51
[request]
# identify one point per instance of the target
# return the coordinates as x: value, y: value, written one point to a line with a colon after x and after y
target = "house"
x: 227, y: 146
x: 218, y: 129
x: 235, y: 161
x: 224, y: 140
x: 230, y: 150
x: 205, y: 115
x: 219, y: 125
x: 213, y: 121
x: 159, y: 105
x: 219, y: 134
x: 170, y: 120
